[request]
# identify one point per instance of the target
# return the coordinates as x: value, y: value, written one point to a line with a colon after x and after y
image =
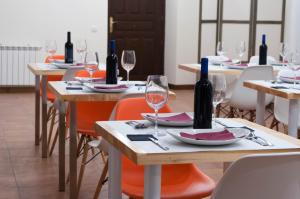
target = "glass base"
x: 159, y: 133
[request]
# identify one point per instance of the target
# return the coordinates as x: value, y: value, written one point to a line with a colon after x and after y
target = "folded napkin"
x: 222, y: 135
x: 291, y: 78
x: 241, y: 65
x: 110, y: 87
x: 140, y: 137
x: 182, y: 117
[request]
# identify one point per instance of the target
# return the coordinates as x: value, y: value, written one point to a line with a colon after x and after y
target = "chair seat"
x: 181, y: 181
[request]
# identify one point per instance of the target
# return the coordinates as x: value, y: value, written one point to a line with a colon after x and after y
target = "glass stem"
x: 295, y: 79
x: 127, y: 77
x: 156, y: 117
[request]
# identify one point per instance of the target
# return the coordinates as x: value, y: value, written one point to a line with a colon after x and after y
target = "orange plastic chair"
x: 50, y: 95
x: 87, y: 114
x: 179, y: 181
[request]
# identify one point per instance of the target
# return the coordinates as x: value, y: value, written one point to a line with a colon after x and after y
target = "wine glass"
x: 293, y: 64
x: 221, y: 50
x: 128, y: 61
x: 157, y: 94
x: 51, y: 48
x: 283, y: 52
x: 90, y: 63
x: 218, y: 82
x: 81, y: 47
x: 241, y: 50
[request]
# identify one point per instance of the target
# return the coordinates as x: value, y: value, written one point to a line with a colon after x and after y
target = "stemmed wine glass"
x: 221, y: 49
x: 51, y: 48
x: 128, y: 61
x: 241, y: 50
x: 81, y: 47
x: 283, y: 52
x: 90, y: 63
x: 293, y: 64
x: 157, y: 94
x: 218, y: 82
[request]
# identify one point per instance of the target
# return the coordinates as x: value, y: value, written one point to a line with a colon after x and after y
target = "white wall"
x: 34, y: 21
x: 292, y: 31
x: 181, y: 39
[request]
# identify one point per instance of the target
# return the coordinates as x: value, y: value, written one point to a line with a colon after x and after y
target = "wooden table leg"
x: 73, y: 151
x: 44, y: 118
x: 293, y: 118
x: 114, y: 169
x: 260, y: 108
x: 37, y: 110
x: 61, y: 146
x: 152, y: 182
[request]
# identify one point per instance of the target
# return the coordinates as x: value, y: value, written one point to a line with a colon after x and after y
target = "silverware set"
x: 252, y: 136
x: 137, y: 125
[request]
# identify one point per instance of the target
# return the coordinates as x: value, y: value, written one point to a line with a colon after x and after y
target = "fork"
x: 137, y: 125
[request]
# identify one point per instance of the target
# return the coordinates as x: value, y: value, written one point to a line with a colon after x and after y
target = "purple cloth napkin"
x: 182, y: 117
x: 111, y: 87
x: 222, y: 135
x: 291, y: 78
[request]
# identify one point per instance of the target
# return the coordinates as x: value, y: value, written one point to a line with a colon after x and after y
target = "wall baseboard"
x: 181, y: 87
x: 17, y: 89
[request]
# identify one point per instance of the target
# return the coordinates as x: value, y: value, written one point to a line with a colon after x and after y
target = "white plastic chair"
x: 281, y: 110
x: 244, y: 98
x: 269, y: 176
x: 255, y: 60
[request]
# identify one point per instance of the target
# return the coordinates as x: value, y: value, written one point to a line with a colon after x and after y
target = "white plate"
x: 106, y: 89
x: 167, y: 123
x: 236, y: 67
x: 67, y: 66
x: 288, y: 76
x: 88, y: 80
x: 239, y: 133
x: 288, y: 80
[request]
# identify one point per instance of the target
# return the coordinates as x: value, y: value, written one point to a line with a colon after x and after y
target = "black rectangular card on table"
x: 140, y: 137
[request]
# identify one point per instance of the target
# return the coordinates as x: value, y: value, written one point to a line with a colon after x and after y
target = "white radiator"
x: 13, y: 64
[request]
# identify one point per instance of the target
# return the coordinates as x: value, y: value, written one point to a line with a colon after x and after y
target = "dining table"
x: 41, y: 71
x: 226, y: 70
x: 283, y: 90
x: 59, y: 88
x: 149, y: 155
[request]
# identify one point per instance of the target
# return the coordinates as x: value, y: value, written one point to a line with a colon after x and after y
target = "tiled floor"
x: 25, y: 175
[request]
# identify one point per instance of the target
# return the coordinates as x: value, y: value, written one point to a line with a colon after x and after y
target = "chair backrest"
x: 131, y: 109
x: 54, y: 77
x: 54, y: 57
x: 245, y: 98
x: 281, y: 110
x: 272, y: 176
x: 255, y: 60
x: 84, y: 73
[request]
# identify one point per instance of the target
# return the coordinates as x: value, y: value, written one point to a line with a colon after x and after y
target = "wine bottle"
x: 112, y: 65
x: 69, y: 50
x: 203, y: 104
x: 263, y: 51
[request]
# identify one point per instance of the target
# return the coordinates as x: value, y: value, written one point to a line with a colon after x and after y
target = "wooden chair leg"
x: 100, y: 183
x: 218, y: 110
x: 81, y: 140
x: 53, y: 142
x: 53, y: 114
x: 82, y: 166
x: 231, y: 113
x: 252, y: 116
